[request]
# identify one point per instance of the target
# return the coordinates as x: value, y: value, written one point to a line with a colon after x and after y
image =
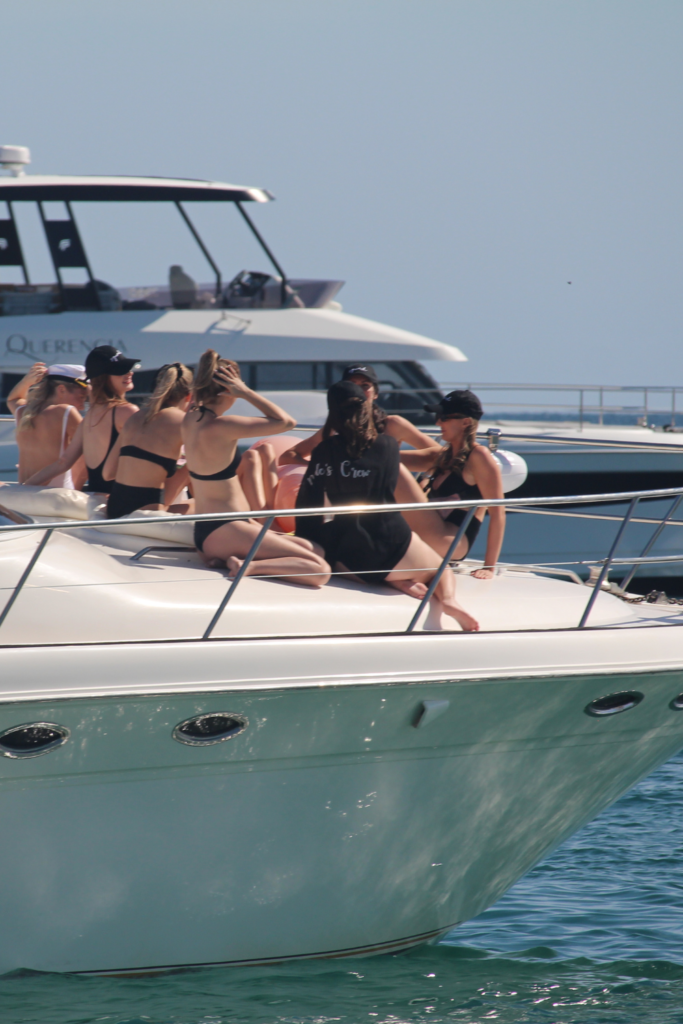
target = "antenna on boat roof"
x: 15, y: 159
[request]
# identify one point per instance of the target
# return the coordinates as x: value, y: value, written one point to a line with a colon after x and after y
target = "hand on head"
x: 229, y: 379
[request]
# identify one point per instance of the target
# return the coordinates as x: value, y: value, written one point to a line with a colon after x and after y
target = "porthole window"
x: 32, y: 739
x: 203, y: 730
x: 614, y: 703
x: 677, y: 703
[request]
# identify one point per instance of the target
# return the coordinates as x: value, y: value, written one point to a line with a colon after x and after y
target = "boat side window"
x: 290, y: 376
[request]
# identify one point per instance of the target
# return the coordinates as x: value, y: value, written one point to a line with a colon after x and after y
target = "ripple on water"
x: 593, y: 934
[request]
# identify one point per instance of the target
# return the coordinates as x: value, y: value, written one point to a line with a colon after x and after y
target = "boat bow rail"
x: 597, y: 582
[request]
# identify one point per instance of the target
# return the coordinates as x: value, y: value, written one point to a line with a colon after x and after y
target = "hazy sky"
x: 457, y: 163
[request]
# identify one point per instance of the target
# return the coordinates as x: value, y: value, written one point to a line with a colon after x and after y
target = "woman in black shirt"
x: 356, y: 466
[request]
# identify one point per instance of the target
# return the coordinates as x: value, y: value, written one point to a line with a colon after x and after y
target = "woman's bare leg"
x: 269, y: 473
x: 250, y: 476
x: 419, y: 565
x: 427, y: 524
x: 279, y: 554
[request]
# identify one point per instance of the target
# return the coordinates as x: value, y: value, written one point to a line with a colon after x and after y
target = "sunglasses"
x: 453, y: 416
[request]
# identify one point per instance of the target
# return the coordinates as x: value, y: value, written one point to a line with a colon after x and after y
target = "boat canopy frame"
x: 63, y: 237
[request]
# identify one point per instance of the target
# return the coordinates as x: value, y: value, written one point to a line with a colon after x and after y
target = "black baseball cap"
x: 341, y: 392
x: 457, y: 403
x: 361, y: 371
x: 107, y: 359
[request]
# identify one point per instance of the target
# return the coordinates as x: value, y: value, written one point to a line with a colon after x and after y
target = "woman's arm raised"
x: 276, y: 419
x: 17, y: 396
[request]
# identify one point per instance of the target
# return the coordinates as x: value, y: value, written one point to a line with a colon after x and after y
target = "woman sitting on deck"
x: 211, y: 448
x: 47, y: 404
x: 395, y: 426
x: 460, y: 471
x: 355, y: 465
x: 143, y: 460
x: 111, y: 377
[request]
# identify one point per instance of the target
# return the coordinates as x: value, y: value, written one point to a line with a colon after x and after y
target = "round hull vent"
x: 32, y: 739
x: 203, y: 730
x: 614, y: 703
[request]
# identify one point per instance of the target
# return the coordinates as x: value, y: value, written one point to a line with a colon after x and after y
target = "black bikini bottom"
x: 204, y: 527
x: 124, y: 499
x: 456, y: 517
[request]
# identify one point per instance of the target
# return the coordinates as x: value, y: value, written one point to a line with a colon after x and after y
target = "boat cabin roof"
x: 122, y: 188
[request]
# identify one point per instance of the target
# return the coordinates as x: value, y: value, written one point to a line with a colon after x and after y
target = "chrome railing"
x: 520, y: 505
x: 589, y: 402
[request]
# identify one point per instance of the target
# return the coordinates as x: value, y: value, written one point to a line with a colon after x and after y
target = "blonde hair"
x: 101, y: 392
x: 38, y: 397
x: 173, y: 383
x: 448, y: 459
x: 206, y: 388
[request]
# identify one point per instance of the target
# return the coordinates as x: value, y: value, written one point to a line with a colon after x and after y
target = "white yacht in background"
x: 289, y: 335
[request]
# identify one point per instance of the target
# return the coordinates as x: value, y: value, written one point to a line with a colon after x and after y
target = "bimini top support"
x: 93, y: 188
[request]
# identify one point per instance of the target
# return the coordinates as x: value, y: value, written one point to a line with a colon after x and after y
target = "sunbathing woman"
x: 143, y: 460
x: 47, y: 404
x: 395, y: 426
x: 459, y: 471
x: 111, y: 377
x: 211, y: 448
x: 355, y: 465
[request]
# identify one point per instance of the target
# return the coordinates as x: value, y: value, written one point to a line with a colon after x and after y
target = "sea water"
x: 593, y: 934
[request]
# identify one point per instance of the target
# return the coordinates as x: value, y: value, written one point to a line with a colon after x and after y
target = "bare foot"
x: 234, y: 565
x: 214, y: 563
x: 454, y: 611
x: 410, y: 587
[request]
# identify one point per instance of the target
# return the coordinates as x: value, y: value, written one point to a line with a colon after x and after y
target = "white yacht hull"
x: 331, y: 825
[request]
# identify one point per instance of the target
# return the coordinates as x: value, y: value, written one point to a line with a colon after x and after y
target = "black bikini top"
x: 133, y: 452
x: 222, y: 474
x: 453, y: 484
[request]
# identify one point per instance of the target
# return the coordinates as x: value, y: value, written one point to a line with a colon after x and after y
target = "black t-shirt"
x: 362, y: 542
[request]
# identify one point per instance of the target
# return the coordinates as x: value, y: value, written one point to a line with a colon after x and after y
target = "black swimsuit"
x: 124, y: 498
x: 456, y: 488
x: 96, y: 482
x: 203, y: 529
x: 363, y: 542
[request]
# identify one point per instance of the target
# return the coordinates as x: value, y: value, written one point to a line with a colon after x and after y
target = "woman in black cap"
x: 402, y: 429
x: 111, y: 377
x: 461, y: 470
x: 212, y: 460
x: 143, y: 460
x: 352, y: 465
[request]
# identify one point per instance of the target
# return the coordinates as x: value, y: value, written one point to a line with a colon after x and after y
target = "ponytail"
x: 206, y: 388
x: 448, y: 459
x: 173, y: 383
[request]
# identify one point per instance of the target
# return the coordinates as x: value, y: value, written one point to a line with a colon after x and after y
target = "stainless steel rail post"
x: 243, y: 568
x: 650, y: 544
x: 440, y: 571
x: 25, y: 575
x: 608, y: 561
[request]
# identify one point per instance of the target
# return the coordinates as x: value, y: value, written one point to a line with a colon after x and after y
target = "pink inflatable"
x: 289, y: 479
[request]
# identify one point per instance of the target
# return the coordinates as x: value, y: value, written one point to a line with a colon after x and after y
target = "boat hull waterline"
x: 330, y: 825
